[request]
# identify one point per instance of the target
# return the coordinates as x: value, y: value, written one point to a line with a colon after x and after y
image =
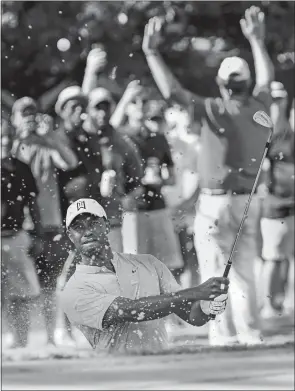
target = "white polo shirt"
x: 90, y: 291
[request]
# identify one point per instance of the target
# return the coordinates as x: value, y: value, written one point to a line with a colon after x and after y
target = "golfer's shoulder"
x: 75, y: 289
x: 139, y: 260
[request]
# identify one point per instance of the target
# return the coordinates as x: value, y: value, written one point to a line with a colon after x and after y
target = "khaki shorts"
x: 156, y: 236
x: 278, y: 238
x: 18, y: 274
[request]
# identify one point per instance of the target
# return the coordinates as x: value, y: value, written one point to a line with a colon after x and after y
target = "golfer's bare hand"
x: 212, y: 288
x: 152, y: 35
x: 253, y: 25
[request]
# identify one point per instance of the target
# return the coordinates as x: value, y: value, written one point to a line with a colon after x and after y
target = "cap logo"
x: 81, y: 205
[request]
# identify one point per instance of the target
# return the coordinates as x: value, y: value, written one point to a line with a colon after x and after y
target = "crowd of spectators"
x: 169, y: 175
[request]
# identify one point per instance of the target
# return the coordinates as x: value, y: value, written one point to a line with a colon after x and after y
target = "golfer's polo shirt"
x: 90, y: 291
x: 232, y: 144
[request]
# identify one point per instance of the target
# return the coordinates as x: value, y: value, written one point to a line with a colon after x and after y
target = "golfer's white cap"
x: 84, y: 205
x: 234, y: 67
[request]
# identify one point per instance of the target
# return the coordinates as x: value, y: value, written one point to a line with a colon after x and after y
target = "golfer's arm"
x: 153, y: 307
x: 264, y: 69
x: 169, y: 86
x: 192, y: 313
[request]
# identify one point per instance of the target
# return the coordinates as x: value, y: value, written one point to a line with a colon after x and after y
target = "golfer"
x: 118, y: 301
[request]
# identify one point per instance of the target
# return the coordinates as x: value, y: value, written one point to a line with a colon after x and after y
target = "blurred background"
x: 45, y: 44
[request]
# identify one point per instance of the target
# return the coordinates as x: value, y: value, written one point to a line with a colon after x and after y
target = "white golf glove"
x: 214, y: 307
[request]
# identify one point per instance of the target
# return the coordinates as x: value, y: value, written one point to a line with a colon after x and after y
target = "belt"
x: 216, y: 192
x: 213, y: 191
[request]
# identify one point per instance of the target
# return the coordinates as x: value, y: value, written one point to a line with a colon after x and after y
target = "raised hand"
x: 133, y: 90
x: 253, y: 25
x: 97, y: 59
x: 152, y: 35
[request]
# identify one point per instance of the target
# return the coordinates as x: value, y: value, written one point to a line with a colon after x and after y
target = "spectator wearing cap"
x: 238, y: 144
x: 145, y: 126
x: 121, y: 167
x: 277, y: 223
x: 37, y: 145
x: 19, y: 281
x: 70, y: 106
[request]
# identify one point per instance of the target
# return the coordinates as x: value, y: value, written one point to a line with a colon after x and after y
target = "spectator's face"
x: 45, y: 124
x: 233, y: 88
x: 89, y: 234
x: 100, y: 114
x: 6, y: 139
x: 72, y: 113
x: 135, y: 110
x: 25, y: 122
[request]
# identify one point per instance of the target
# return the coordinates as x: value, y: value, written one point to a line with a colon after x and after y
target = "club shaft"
x: 232, y: 252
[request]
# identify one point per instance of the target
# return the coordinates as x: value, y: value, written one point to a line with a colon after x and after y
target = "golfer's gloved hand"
x: 214, y: 307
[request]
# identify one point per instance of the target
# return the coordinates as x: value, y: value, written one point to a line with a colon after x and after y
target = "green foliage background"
x: 197, y: 37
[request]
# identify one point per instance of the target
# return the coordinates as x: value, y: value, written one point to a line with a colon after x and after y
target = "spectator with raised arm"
x: 233, y: 145
x: 145, y: 126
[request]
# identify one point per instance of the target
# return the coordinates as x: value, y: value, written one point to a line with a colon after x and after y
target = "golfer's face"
x: 89, y: 234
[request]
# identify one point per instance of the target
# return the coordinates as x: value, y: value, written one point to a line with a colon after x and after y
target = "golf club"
x: 262, y: 119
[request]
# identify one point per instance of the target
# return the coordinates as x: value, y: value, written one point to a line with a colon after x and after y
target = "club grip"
x: 225, y: 274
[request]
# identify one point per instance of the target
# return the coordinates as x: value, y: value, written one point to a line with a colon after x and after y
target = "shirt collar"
x: 95, y: 269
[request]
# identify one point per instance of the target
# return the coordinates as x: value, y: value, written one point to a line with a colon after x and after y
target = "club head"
x: 263, y: 119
